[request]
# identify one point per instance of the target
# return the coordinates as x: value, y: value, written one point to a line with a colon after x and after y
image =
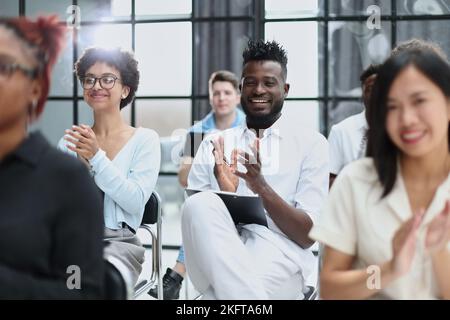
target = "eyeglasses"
x: 7, y: 69
x: 106, y: 82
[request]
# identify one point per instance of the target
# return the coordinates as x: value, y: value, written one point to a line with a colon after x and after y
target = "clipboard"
x: 243, y: 209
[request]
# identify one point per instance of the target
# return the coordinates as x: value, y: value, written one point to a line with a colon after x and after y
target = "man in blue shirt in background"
x: 224, y: 97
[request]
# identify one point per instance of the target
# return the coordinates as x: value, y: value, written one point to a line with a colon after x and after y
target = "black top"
x: 50, y: 220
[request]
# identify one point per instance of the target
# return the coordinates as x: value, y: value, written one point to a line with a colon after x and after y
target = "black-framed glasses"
x: 7, y: 69
x: 106, y: 82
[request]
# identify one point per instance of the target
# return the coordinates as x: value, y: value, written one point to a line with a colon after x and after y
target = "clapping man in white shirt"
x: 288, y: 170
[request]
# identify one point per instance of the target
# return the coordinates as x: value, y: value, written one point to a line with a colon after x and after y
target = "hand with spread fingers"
x: 404, y: 245
x: 223, y: 171
x: 253, y: 177
x: 84, y: 141
x: 438, y: 232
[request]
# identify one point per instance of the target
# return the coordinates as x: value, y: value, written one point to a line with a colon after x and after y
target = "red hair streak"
x: 46, y: 34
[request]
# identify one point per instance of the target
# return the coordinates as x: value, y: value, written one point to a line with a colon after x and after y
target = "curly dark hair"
x: 122, y: 60
x: 270, y: 50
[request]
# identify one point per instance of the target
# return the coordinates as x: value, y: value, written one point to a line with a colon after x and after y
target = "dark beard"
x: 263, y: 122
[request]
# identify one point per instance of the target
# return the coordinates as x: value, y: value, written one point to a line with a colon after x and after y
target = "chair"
x: 312, y: 292
x: 117, y: 284
x: 152, y: 216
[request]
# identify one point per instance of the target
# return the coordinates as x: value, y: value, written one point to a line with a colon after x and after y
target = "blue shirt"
x: 208, y: 123
x: 205, y: 126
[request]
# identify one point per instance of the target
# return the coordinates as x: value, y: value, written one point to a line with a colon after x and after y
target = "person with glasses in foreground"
x: 50, y: 230
x: 124, y: 161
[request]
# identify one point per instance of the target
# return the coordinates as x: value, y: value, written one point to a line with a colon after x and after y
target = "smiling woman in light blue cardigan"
x: 124, y: 161
x: 128, y: 180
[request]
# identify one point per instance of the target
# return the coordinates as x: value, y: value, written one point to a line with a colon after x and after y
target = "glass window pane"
x: 353, y: 47
x: 166, y: 66
x: 9, y: 8
x: 279, y: 9
x: 201, y: 108
x: 56, y: 118
x: 358, y: 7
x: 157, y: 9
x: 166, y: 117
x: 220, y: 8
x: 108, y: 35
x: 436, y: 31
x: 85, y: 114
x: 415, y: 7
x: 305, y: 114
x: 34, y: 8
x: 105, y: 10
x: 303, y: 56
x: 220, y: 48
x: 62, y: 75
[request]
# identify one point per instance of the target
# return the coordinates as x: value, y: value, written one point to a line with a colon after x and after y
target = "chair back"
x: 151, y: 210
x: 152, y: 218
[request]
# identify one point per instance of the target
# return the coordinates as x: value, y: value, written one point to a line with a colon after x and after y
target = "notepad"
x: 243, y: 209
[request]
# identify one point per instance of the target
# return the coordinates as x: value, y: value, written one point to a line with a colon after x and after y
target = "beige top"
x: 356, y: 221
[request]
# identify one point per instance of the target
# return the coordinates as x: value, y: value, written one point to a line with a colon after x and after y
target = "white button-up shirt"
x: 294, y: 164
x: 358, y: 222
x: 347, y: 141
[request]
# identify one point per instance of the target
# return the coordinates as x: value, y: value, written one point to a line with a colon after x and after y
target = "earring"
x: 33, y: 106
x: 32, y: 112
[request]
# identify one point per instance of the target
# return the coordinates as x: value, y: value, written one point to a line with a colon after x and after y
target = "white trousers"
x: 223, y: 263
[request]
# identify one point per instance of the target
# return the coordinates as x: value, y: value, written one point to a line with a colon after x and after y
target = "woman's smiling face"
x: 98, y: 97
x: 418, y: 114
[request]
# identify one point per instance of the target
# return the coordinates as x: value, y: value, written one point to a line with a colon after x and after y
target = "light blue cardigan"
x: 128, y: 180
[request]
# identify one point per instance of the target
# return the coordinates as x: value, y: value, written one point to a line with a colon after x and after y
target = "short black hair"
x: 120, y: 59
x: 380, y: 145
x: 259, y: 50
x: 368, y: 72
